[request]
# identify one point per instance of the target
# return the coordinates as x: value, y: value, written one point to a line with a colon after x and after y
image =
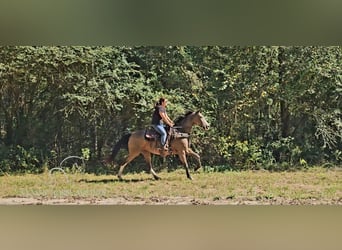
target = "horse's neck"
x: 187, y: 124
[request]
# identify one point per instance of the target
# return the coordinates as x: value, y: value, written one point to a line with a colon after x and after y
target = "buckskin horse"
x: 137, y: 144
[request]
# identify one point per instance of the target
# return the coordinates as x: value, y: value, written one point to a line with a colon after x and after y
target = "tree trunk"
x: 8, y: 130
x: 284, y: 106
x: 285, y: 119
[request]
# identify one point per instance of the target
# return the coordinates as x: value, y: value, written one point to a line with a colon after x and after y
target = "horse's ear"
x: 197, y: 112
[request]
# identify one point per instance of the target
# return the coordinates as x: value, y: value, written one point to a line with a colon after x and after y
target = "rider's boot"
x: 164, y: 150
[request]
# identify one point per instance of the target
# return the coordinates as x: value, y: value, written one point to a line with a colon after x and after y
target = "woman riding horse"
x: 137, y: 144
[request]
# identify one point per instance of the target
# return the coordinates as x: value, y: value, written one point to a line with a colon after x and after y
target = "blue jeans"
x: 162, y: 131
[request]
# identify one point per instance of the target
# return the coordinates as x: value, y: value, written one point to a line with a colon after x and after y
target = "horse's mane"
x: 182, y: 117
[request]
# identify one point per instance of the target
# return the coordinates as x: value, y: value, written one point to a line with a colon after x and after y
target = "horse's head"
x: 190, y: 119
x: 199, y: 120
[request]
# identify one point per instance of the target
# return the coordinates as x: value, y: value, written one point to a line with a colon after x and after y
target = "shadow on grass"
x: 116, y: 180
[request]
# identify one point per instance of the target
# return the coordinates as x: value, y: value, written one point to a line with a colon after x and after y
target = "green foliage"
x: 85, y: 153
x: 269, y: 107
x: 20, y: 160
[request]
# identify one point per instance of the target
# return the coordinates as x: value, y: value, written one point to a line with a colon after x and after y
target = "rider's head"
x: 162, y: 101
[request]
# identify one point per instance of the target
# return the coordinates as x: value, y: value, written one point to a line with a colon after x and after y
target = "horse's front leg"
x: 198, y: 158
x: 182, y: 157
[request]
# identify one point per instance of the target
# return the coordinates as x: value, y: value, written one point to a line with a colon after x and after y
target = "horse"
x: 137, y: 143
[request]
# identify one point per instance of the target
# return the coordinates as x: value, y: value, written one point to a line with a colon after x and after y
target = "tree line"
x: 270, y: 107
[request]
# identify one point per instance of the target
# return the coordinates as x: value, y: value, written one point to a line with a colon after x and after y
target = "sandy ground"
x: 163, y: 201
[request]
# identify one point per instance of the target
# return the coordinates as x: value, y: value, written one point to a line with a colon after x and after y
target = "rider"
x: 159, y: 118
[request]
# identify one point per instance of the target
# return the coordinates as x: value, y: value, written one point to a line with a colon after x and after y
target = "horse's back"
x: 138, y: 135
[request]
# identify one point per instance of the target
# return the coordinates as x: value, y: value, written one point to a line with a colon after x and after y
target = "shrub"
x: 20, y: 160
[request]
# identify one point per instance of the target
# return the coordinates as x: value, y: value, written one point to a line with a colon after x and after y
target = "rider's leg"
x: 161, y: 130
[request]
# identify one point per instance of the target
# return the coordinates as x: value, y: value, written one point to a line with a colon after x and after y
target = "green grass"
x: 314, y: 186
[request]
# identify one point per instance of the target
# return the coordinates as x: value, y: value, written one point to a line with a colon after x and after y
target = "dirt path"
x: 163, y: 201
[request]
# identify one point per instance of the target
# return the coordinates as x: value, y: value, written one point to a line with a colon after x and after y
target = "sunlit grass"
x: 315, y: 184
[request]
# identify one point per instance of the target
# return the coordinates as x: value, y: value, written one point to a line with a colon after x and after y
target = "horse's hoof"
x: 196, y: 168
x: 120, y: 178
x: 190, y: 178
x: 157, y: 178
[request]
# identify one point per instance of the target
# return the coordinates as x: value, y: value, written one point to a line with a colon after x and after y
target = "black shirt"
x: 156, y: 118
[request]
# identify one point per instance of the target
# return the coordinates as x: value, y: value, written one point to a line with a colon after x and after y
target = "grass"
x: 313, y: 186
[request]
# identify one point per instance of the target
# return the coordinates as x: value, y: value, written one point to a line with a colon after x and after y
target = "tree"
x: 267, y: 105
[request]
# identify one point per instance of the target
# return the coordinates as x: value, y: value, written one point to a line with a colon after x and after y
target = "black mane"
x: 182, y: 117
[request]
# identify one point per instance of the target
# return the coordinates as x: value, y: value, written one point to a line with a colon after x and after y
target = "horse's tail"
x: 122, y: 143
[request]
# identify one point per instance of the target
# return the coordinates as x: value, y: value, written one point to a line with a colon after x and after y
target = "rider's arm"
x: 170, y: 121
x: 166, y: 119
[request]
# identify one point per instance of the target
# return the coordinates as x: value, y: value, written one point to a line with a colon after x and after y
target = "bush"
x: 240, y: 155
x: 17, y: 159
x: 278, y: 155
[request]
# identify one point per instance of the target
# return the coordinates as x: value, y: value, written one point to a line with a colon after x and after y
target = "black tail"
x: 122, y: 143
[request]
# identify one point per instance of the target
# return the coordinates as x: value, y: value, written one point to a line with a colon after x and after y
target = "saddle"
x: 152, y: 135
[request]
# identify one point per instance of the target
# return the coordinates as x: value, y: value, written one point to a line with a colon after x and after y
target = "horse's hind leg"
x: 147, y: 156
x: 182, y: 157
x: 129, y: 158
x: 198, y: 158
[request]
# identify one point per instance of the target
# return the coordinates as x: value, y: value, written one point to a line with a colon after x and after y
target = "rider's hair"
x: 161, y: 100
